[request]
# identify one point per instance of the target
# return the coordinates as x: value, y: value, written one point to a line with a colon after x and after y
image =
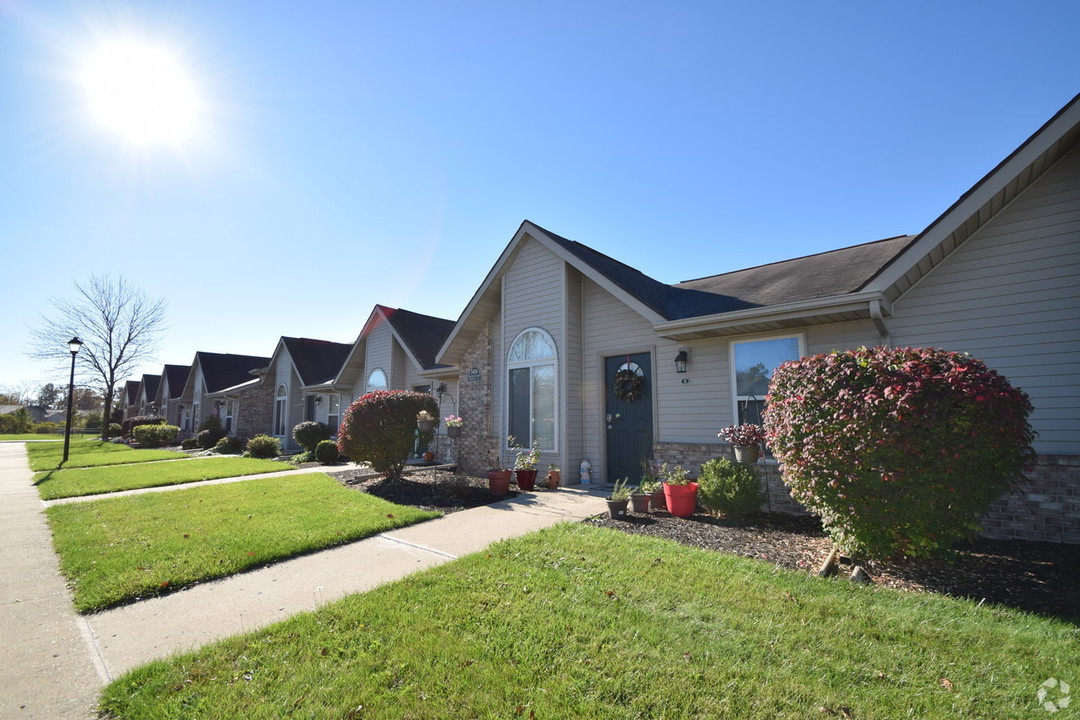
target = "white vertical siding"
x: 572, y: 368
x: 1010, y: 296
x: 379, y: 356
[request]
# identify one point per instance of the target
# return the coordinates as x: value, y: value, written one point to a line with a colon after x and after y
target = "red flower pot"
x: 526, y: 479
x: 499, y: 481
x: 681, y: 499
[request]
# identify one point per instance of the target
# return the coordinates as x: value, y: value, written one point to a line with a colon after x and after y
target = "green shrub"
x: 152, y: 436
x: 228, y: 446
x: 48, y: 428
x: 380, y: 428
x: 189, y: 443
x: 16, y: 423
x: 899, y: 450
x: 114, y: 430
x: 729, y: 487
x: 210, y: 431
x: 326, y: 452
x: 263, y: 446
x: 309, y: 434
x: 130, y: 424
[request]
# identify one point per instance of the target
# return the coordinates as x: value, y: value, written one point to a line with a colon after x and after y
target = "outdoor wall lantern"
x: 74, y: 344
x: 680, y: 361
x: 318, y: 399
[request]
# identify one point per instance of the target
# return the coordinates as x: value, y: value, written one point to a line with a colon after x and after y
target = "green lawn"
x: 580, y: 622
x: 91, y: 481
x: 118, y: 549
x: 91, y: 453
x: 28, y: 437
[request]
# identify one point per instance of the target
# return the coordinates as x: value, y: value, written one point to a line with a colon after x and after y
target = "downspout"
x: 878, y: 317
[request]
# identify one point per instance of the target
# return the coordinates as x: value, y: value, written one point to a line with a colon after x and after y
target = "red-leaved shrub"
x: 898, y: 450
x: 380, y: 428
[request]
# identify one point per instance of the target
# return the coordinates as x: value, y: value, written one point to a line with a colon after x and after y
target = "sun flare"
x: 141, y: 93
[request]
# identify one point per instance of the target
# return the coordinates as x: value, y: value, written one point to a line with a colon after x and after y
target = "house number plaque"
x: 474, y: 375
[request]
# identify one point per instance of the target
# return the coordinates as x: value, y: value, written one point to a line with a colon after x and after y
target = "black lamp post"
x: 73, y: 346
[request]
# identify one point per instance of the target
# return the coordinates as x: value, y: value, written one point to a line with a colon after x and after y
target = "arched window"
x: 281, y: 410
x: 531, y: 383
x: 376, y: 380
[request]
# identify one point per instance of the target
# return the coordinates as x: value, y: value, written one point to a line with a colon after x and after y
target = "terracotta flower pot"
x: 499, y: 481
x: 640, y: 502
x: 657, y: 500
x: 526, y: 479
x: 681, y: 499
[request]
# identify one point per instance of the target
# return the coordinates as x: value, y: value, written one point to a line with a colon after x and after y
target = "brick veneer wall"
x: 256, y: 416
x: 474, y: 402
x: 1045, y: 505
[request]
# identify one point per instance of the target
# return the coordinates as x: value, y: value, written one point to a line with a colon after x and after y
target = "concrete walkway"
x: 53, y: 662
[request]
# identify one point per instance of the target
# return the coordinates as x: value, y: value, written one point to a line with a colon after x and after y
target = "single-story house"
x: 228, y: 386
x: 170, y: 390
x: 130, y: 399
x: 996, y: 275
x: 301, y: 384
x: 146, y: 394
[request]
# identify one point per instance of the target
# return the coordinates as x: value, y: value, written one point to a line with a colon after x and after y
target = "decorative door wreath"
x: 628, y: 385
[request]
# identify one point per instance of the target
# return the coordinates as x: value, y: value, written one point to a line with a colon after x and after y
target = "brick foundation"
x: 1045, y: 506
x: 476, y: 443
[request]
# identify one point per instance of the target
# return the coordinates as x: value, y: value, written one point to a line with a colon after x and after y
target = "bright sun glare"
x: 140, y: 93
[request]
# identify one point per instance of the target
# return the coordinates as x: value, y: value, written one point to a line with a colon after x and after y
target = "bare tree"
x: 118, y: 324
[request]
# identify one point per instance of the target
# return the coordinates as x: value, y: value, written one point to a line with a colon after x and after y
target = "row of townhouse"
x: 536, y: 351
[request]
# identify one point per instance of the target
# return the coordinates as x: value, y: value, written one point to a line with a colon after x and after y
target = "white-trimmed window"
x: 281, y: 410
x: 752, y: 365
x: 377, y: 380
x: 231, y: 408
x: 531, y: 389
x: 333, y: 412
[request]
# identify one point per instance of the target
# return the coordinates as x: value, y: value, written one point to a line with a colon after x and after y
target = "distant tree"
x: 49, y: 396
x: 118, y: 324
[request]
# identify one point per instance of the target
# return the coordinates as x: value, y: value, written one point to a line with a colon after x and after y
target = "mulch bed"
x: 1037, y: 577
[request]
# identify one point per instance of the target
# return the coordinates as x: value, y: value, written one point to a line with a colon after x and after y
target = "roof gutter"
x: 861, y: 302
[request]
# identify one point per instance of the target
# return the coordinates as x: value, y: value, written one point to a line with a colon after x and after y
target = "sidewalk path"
x: 118, y: 640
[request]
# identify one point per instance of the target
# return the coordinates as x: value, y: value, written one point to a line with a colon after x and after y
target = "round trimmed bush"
x: 326, y: 452
x: 309, y: 434
x: 189, y: 443
x: 729, y: 487
x: 899, y: 450
x: 380, y: 428
x: 114, y: 430
x: 228, y: 446
x: 129, y: 425
x: 263, y: 446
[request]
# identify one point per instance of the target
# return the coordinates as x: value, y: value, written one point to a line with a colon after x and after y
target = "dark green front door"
x: 628, y: 418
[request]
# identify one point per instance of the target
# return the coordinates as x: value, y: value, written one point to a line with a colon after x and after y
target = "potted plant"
x: 498, y: 476
x: 525, y: 463
x: 554, y: 474
x: 746, y: 439
x: 639, y: 500
x: 680, y: 492
x: 651, y: 486
x: 453, y: 426
x: 425, y: 421
x: 618, y: 499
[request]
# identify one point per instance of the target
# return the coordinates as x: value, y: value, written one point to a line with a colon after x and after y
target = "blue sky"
x: 354, y: 153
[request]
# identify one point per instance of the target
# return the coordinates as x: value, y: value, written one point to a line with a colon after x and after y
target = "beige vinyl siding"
x: 534, y: 295
x: 285, y: 374
x: 573, y: 368
x: 379, y: 356
x: 841, y: 336
x: 610, y: 327
x: 1010, y: 296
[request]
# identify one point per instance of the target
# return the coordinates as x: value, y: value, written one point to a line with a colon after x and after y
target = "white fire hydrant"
x: 585, y: 467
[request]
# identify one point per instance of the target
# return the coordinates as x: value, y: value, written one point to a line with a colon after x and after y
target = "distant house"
x: 997, y: 275
x: 395, y: 350
x: 301, y: 377
x: 130, y: 399
x: 228, y: 386
x: 168, y: 399
x: 146, y: 394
